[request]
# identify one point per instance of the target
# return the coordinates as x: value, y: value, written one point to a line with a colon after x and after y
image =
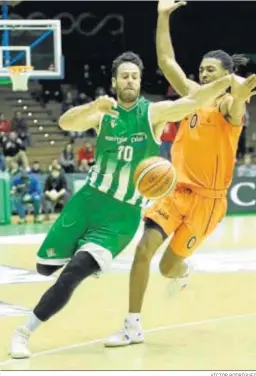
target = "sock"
x: 33, y: 323
x: 134, y: 318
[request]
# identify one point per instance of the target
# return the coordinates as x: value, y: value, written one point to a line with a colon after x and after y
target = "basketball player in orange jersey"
x: 204, y: 156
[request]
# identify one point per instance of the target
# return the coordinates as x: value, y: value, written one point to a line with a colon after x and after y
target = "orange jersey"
x: 204, y: 151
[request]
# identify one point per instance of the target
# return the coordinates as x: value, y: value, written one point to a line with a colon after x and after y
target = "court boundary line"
x: 152, y: 330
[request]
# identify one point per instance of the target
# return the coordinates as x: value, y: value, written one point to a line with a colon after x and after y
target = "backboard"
x: 32, y: 42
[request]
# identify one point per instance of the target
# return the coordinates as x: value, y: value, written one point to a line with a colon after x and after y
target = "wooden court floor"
x: 210, y: 325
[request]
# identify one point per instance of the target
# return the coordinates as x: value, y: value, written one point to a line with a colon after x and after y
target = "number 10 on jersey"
x: 125, y: 153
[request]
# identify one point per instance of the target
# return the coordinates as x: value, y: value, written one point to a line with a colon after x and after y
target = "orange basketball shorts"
x: 190, y: 216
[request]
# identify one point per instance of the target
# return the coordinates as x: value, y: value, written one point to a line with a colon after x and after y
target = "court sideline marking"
x: 152, y: 330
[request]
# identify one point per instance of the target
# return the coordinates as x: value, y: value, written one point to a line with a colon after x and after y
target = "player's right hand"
x: 105, y: 105
x: 169, y: 6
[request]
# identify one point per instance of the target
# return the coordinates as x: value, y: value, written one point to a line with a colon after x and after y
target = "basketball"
x: 155, y: 177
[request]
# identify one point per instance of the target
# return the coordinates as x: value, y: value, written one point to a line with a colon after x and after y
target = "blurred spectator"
x: 36, y: 168
x: 20, y: 126
x: 167, y: 138
x: 247, y: 169
x: 3, y: 138
x: 14, y: 149
x: 2, y: 161
x: 26, y: 189
x: 159, y: 82
x: 83, y: 99
x: 69, y: 102
x: 37, y: 93
x: 112, y: 92
x: 170, y: 92
x: 75, y: 135
x: 191, y: 77
x: 55, y: 192
x: 67, y: 159
x: 52, y: 67
x: 5, y: 125
x: 83, y: 166
x: 14, y: 169
x: 86, y: 152
x: 55, y: 165
x: 242, y: 140
x: 99, y: 91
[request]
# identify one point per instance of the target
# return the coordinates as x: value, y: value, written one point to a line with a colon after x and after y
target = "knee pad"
x: 100, y: 254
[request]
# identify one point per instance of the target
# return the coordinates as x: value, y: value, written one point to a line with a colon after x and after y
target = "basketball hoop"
x: 19, y: 75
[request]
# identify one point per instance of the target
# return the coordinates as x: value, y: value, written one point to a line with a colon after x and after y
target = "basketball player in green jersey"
x: 103, y: 217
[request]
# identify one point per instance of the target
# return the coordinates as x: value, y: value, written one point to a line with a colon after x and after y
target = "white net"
x: 19, y: 76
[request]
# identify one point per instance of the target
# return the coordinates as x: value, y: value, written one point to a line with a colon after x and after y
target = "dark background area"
x: 197, y: 28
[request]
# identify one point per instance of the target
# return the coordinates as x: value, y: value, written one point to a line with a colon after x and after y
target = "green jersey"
x: 122, y: 144
x: 109, y: 197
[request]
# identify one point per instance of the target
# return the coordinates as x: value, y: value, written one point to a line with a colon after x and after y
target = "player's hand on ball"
x: 105, y: 105
x: 169, y: 6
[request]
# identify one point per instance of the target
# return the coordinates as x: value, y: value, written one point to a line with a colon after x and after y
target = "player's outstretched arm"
x: 82, y: 118
x: 165, y: 52
x: 174, y: 111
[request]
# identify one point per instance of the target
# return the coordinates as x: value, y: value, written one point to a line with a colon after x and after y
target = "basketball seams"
x: 159, y: 181
x: 169, y: 190
x: 149, y: 168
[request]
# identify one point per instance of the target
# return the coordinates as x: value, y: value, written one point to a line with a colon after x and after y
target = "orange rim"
x: 17, y: 69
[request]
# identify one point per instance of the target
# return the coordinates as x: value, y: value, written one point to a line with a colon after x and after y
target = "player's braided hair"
x: 127, y: 57
x: 231, y: 63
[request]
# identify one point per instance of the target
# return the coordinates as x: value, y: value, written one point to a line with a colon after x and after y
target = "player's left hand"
x: 169, y: 6
x: 105, y: 105
x: 243, y: 90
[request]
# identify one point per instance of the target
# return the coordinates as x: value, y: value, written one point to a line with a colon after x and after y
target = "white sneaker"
x: 129, y: 335
x: 19, y: 343
x: 176, y: 285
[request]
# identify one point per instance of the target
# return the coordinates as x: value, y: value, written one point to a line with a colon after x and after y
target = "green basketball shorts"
x: 94, y: 222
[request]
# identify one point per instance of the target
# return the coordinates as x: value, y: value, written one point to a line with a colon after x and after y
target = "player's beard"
x: 127, y: 96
